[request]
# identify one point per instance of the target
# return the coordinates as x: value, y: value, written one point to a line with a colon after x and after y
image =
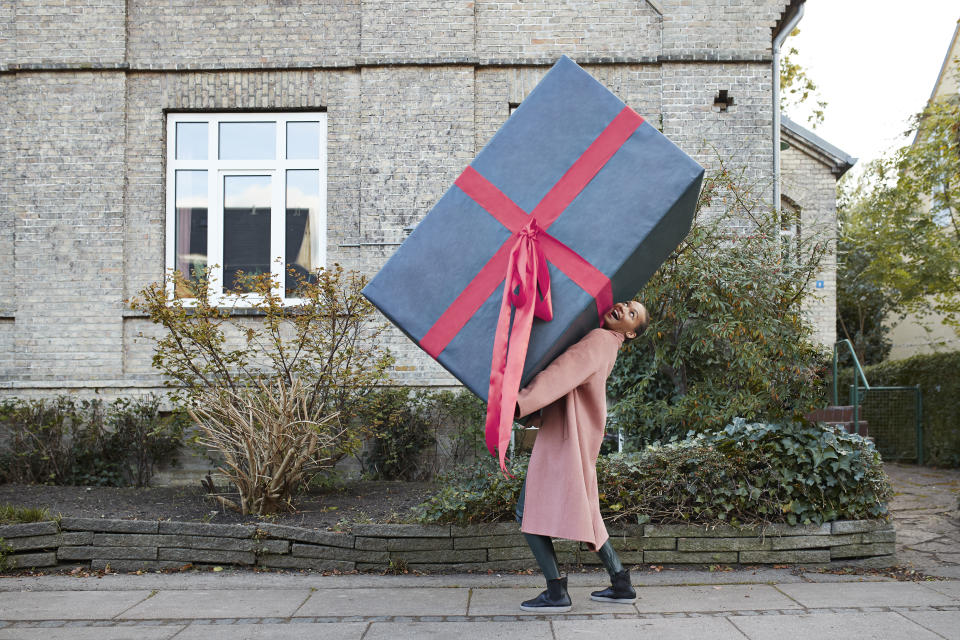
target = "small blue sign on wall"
x: 820, y: 284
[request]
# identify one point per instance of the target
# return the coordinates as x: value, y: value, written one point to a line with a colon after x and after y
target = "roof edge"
x: 841, y: 161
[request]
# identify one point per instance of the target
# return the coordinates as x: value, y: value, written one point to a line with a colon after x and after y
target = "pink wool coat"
x: 561, y: 495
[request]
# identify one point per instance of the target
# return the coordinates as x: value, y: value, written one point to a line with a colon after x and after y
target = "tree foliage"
x: 905, y: 210
x: 727, y: 335
x: 862, y: 302
x: 797, y: 88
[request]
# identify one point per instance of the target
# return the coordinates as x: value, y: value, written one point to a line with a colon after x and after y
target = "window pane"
x: 246, y: 228
x: 303, y: 140
x: 190, y: 241
x: 191, y: 141
x: 303, y: 231
x: 248, y: 140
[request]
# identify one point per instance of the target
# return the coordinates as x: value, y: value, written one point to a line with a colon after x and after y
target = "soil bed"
x: 362, y: 501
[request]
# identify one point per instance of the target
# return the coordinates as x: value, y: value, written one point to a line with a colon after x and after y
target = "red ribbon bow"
x: 528, y: 289
x: 523, y: 262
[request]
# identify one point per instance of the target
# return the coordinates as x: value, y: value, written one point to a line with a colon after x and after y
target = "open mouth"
x: 615, y: 313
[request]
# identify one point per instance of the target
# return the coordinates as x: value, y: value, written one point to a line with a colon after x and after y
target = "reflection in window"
x: 246, y: 228
x: 302, y: 226
x: 303, y: 140
x: 191, y: 141
x: 248, y: 140
x: 191, y: 225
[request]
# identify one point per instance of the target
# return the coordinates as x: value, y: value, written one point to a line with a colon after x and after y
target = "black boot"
x: 620, y: 591
x: 554, y: 600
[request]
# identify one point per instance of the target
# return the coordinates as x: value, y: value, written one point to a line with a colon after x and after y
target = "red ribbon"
x: 522, y: 261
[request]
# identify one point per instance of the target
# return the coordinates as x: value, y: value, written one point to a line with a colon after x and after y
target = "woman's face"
x: 626, y: 317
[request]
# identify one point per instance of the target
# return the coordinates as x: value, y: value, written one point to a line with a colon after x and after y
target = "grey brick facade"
x: 412, y: 90
x: 810, y: 168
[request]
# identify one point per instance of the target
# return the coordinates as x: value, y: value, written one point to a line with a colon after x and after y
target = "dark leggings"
x: 542, y: 548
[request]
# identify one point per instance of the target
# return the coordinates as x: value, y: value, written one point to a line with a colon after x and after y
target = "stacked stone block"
x: 130, y: 545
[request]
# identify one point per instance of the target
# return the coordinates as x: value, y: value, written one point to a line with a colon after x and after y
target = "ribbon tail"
x: 510, y: 346
x: 498, y: 364
x: 516, y: 356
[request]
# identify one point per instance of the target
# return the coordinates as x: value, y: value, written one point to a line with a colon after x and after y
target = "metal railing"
x: 859, y: 389
x: 857, y: 377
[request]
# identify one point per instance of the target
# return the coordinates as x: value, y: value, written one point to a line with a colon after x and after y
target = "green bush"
x: 727, y: 334
x: 938, y: 375
x: 416, y: 435
x: 480, y: 493
x: 746, y: 473
x: 63, y: 441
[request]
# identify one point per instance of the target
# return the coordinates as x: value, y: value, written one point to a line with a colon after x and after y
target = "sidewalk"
x: 241, y: 605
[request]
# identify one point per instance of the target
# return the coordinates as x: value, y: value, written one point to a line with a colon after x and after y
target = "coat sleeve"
x: 571, y: 369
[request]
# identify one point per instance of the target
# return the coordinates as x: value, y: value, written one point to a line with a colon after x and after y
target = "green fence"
x: 894, y: 417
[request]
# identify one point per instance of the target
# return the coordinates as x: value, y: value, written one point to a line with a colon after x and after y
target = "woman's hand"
x: 535, y: 419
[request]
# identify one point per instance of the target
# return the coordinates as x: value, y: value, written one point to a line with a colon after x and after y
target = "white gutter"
x: 777, y: 43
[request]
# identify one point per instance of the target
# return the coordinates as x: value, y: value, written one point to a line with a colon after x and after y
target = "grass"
x: 9, y: 514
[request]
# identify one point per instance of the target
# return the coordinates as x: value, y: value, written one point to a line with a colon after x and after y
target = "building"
x: 810, y: 167
x: 912, y: 334
x: 139, y: 135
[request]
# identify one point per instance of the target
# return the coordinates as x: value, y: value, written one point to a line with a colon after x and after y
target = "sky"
x: 875, y: 63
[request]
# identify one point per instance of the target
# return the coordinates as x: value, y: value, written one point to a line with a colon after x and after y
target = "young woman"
x: 559, y: 498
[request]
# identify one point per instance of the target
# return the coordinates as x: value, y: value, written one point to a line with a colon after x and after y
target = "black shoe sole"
x: 616, y: 600
x: 562, y: 609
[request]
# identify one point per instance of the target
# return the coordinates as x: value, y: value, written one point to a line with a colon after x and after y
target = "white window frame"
x: 217, y: 169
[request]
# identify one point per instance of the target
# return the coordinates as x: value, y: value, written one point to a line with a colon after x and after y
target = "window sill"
x: 234, y: 312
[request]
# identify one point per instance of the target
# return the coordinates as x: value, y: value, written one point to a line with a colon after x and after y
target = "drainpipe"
x: 777, y: 43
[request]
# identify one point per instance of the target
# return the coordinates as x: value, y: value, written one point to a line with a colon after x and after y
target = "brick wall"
x: 545, y: 29
x: 400, y: 30
x: 69, y: 155
x: 810, y: 183
x: 225, y: 34
x: 719, y: 29
x: 48, y: 32
x: 412, y: 89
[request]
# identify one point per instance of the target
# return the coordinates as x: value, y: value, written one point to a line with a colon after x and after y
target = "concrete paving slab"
x: 849, y: 626
x: 711, y: 598
x: 238, y: 603
x: 950, y: 588
x: 865, y: 594
x: 533, y: 630
x: 946, y: 623
x: 506, y: 601
x: 236, y: 578
x: 289, y: 631
x: 93, y: 633
x: 408, y: 601
x: 67, y: 605
x: 673, y: 628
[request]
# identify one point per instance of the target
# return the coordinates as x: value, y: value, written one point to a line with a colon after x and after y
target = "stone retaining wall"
x: 128, y: 545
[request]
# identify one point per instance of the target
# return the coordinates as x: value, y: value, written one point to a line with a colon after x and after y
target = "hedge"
x: 745, y: 474
x: 938, y: 375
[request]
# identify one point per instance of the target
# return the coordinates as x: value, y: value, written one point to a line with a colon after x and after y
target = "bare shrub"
x: 283, y: 378
x: 271, y: 440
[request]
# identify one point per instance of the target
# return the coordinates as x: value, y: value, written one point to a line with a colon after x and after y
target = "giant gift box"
x: 576, y: 199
